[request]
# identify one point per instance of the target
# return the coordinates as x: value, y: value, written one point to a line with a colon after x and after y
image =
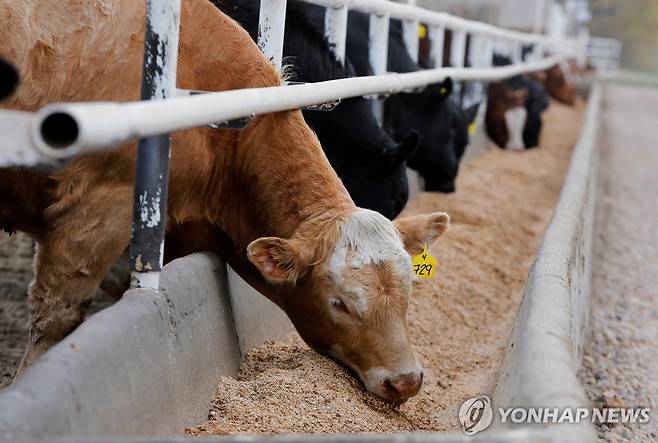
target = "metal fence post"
x: 271, y: 30
x: 476, y: 59
x: 410, y: 36
x: 437, y: 36
x: 378, y: 55
x: 335, y: 28
x: 457, y: 53
x: 517, y: 52
x: 153, y: 153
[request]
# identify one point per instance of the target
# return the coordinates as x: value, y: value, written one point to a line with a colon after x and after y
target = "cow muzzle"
x: 515, y: 119
x: 396, y: 388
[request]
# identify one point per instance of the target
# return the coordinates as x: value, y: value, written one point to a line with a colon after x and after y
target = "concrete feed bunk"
x: 460, y: 323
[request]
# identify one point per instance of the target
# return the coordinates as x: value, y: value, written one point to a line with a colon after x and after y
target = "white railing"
x: 66, y: 129
x: 99, y: 125
x: 604, y: 53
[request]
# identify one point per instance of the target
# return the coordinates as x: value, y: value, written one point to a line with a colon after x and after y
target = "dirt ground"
x: 619, y: 366
x: 459, y: 322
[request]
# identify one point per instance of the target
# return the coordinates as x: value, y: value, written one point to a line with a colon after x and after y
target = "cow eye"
x: 339, y: 305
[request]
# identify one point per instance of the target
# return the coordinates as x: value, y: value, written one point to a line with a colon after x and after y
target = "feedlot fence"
x: 62, y: 130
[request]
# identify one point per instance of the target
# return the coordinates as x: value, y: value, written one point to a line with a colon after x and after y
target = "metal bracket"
x: 242, y: 123
x: 324, y: 107
x: 239, y: 123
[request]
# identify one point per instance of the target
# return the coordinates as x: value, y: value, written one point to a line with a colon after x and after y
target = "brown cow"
x: 506, y: 115
x: 560, y: 85
x: 342, y: 274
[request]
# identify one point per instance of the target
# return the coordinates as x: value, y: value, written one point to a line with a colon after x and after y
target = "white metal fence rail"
x: 604, y: 53
x: 66, y: 129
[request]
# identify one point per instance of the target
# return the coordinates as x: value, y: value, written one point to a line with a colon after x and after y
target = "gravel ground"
x: 459, y: 322
x: 621, y: 355
x: 16, y: 272
x: 16, y: 253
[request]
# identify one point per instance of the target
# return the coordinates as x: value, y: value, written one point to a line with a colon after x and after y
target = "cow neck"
x: 281, y: 172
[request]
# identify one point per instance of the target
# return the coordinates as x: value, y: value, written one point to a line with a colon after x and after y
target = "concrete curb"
x: 545, y: 348
x: 256, y: 319
x: 631, y: 78
x: 149, y: 363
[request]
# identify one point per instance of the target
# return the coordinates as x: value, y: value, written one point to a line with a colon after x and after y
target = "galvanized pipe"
x: 457, y: 55
x: 409, y: 12
x: 271, y: 28
x: 153, y: 152
x: 410, y: 37
x: 436, y: 35
x: 517, y: 52
x: 378, y: 55
x: 103, y: 124
x: 476, y: 60
x: 335, y: 30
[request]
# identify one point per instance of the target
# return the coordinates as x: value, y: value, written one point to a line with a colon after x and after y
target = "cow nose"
x: 405, y: 386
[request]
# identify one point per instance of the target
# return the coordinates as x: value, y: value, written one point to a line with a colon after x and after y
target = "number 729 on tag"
x: 424, y: 264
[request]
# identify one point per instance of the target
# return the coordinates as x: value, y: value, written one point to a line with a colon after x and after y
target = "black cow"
x: 8, y: 79
x: 535, y: 102
x: 370, y: 163
x: 442, y: 124
x: 447, y: 125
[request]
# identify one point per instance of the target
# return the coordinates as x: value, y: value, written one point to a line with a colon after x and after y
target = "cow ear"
x: 421, y: 230
x: 278, y: 260
x: 445, y: 87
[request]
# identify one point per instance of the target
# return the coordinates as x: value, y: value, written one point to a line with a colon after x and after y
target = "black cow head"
x: 379, y: 181
x: 443, y: 138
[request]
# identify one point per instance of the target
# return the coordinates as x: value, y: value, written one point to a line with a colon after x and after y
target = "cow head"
x: 432, y: 114
x: 506, y: 115
x: 349, y: 282
x: 560, y: 86
x: 378, y: 180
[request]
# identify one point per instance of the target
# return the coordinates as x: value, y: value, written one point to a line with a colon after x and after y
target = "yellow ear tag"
x: 443, y: 91
x: 424, y: 265
x: 422, y: 31
x: 472, y: 128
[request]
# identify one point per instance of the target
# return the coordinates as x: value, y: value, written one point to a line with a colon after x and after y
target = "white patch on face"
x: 515, y: 120
x: 367, y: 237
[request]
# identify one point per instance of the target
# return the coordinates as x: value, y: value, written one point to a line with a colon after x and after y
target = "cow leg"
x: 70, y: 263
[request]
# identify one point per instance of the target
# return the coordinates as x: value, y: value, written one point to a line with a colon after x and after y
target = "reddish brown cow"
x: 506, y: 115
x: 342, y: 274
x: 559, y: 85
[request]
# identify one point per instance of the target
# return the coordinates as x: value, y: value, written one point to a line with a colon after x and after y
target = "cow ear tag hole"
x: 424, y: 264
